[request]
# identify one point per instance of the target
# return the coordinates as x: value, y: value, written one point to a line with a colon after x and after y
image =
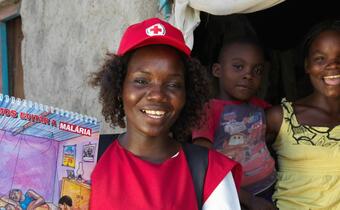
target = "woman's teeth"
x: 332, y: 80
x: 154, y: 113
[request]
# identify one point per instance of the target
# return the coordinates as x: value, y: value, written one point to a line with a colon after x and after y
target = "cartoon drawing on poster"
x: 89, y: 152
x: 69, y: 156
x: 41, y: 151
x: 70, y: 174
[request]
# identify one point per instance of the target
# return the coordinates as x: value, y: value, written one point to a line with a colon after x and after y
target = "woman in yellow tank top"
x: 307, y: 131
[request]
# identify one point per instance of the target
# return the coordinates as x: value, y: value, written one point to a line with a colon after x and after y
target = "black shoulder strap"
x: 104, y: 142
x: 197, y: 158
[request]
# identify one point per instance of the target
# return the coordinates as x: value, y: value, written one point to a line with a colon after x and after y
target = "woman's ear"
x: 306, y: 67
x: 217, y: 70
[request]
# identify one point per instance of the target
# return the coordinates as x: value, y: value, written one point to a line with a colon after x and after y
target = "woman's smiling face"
x: 154, y: 90
x: 323, y: 63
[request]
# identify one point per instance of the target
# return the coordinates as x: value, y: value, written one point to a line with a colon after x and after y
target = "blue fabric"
x: 24, y: 204
x: 165, y: 8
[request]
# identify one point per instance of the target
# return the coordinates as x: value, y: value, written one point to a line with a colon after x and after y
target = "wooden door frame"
x: 7, y: 12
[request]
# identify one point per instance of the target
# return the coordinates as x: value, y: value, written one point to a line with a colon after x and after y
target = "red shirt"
x: 123, y: 181
x: 237, y: 130
x: 214, y: 111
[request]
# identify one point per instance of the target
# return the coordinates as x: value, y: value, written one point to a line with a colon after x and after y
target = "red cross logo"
x: 155, y: 30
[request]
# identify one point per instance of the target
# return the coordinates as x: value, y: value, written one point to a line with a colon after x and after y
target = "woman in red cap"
x: 155, y: 90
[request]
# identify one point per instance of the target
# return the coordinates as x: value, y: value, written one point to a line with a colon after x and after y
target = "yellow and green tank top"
x: 309, y: 165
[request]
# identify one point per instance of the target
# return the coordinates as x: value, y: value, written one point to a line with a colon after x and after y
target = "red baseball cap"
x: 152, y: 31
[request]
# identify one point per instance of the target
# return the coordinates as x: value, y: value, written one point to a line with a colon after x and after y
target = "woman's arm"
x: 274, y: 118
x: 38, y: 200
x: 10, y: 201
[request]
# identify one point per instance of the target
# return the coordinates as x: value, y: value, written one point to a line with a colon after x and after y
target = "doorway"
x: 281, y: 30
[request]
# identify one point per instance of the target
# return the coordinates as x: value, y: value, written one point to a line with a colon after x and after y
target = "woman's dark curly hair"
x: 110, y: 78
x: 315, y: 31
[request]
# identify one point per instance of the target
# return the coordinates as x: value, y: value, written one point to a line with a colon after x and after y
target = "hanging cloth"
x: 186, y: 13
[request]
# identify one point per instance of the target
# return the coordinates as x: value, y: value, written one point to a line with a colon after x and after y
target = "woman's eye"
x: 238, y: 66
x: 141, y: 81
x: 319, y: 59
x: 174, y: 85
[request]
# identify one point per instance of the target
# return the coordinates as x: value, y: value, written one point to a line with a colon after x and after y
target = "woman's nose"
x: 156, y: 93
x: 334, y: 63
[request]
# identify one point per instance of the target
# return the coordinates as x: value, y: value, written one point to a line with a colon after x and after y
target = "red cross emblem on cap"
x: 155, y: 30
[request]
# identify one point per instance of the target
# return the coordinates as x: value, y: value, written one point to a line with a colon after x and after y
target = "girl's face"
x: 153, y: 90
x: 323, y: 63
x: 239, y: 71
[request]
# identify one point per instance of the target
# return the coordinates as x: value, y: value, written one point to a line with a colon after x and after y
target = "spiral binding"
x: 23, y: 105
